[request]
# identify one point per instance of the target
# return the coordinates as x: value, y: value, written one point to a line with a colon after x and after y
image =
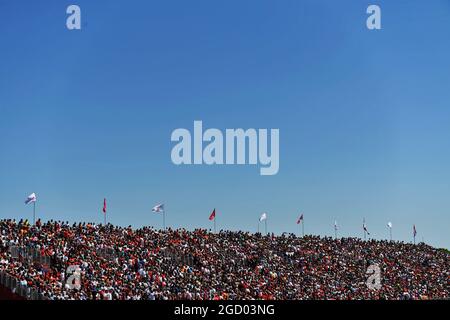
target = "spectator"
x: 121, y: 263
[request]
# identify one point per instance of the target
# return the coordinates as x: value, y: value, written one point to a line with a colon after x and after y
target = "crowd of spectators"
x: 146, y: 264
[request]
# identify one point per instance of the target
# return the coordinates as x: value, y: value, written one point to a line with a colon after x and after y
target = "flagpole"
x: 390, y: 232
x: 364, y: 228
x: 414, y: 233
x: 164, y: 219
x: 215, y: 224
x: 303, y: 227
x: 265, y: 225
x: 104, y: 211
x: 258, y: 225
x: 34, y: 212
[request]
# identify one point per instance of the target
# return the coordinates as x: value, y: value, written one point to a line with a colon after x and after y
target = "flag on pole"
x: 104, y: 210
x: 414, y: 231
x: 335, y: 229
x: 390, y: 230
x: 365, y: 228
x: 158, y: 208
x: 31, y: 198
x: 263, y: 217
x: 212, y: 216
x: 300, y: 219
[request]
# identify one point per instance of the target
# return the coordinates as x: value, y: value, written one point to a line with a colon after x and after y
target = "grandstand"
x: 85, y: 261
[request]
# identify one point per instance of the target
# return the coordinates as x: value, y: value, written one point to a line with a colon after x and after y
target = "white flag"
x: 158, y: 208
x: 263, y: 217
x: 390, y: 224
x: 31, y: 198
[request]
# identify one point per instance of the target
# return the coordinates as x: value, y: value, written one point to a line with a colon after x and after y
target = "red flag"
x: 104, y: 205
x: 213, y: 215
x: 300, y: 219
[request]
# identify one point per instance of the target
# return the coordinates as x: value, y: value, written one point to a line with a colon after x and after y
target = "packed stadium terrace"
x: 146, y: 264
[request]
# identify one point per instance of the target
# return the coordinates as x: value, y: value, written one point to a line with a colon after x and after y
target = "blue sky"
x: 363, y: 115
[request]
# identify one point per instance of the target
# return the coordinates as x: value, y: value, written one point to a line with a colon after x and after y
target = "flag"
x: 104, y: 205
x: 300, y: 219
x: 335, y: 225
x: 31, y: 198
x: 389, y: 224
x: 263, y: 217
x: 365, y: 228
x: 414, y: 230
x: 212, y: 216
x: 158, y: 208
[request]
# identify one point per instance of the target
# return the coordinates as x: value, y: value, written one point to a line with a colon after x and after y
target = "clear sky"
x: 363, y: 115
